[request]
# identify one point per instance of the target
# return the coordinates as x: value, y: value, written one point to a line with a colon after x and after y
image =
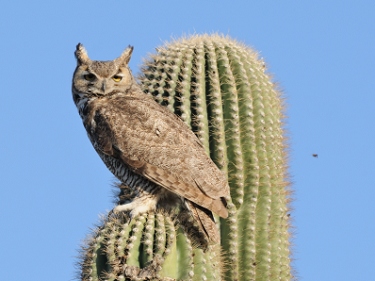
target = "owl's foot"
x: 138, y: 206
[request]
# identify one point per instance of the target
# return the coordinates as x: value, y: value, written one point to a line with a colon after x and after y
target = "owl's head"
x: 95, y: 79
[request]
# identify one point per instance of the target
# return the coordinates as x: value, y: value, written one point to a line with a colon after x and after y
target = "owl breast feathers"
x: 129, y: 128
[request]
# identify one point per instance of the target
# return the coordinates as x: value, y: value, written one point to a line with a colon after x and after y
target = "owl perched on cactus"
x: 147, y: 147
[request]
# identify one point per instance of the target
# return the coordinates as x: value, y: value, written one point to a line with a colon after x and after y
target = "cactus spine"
x: 219, y: 87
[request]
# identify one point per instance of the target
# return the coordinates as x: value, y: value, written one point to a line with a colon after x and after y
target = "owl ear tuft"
x: 126, y: 55
x: 81, y: 55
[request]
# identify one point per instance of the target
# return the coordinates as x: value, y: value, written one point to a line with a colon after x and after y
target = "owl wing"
x: 185, y: 189
x: 156, y: 144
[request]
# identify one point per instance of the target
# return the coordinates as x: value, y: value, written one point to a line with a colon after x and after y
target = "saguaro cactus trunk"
x: 220, y: 88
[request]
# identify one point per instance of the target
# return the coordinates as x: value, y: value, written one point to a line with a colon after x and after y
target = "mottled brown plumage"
x: 146, y: 146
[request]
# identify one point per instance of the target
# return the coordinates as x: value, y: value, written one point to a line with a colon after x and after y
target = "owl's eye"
x: 117, y: 78
x: 89, y: 77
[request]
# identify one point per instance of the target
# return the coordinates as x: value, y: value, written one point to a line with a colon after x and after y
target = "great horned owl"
x: 147, y: 147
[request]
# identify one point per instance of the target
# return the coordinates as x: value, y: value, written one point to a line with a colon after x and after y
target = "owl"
x: 147, y: 147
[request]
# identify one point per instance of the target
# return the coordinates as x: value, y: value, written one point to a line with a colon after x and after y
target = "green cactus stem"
x: 219, y: 87
x: 153, y: 246
x: 148, y: 247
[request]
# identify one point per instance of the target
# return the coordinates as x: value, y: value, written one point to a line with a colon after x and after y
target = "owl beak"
x: 103, y: 87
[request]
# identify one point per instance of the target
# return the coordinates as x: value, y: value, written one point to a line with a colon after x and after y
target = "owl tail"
x: 205, y: 220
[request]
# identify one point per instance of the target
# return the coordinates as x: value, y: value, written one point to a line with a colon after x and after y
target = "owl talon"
x: 138, y: 206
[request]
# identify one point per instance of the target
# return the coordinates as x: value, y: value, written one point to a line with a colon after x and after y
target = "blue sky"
x: 54, y: 186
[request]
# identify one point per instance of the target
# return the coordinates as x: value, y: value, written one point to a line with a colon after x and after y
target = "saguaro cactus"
x: 219, y: 87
